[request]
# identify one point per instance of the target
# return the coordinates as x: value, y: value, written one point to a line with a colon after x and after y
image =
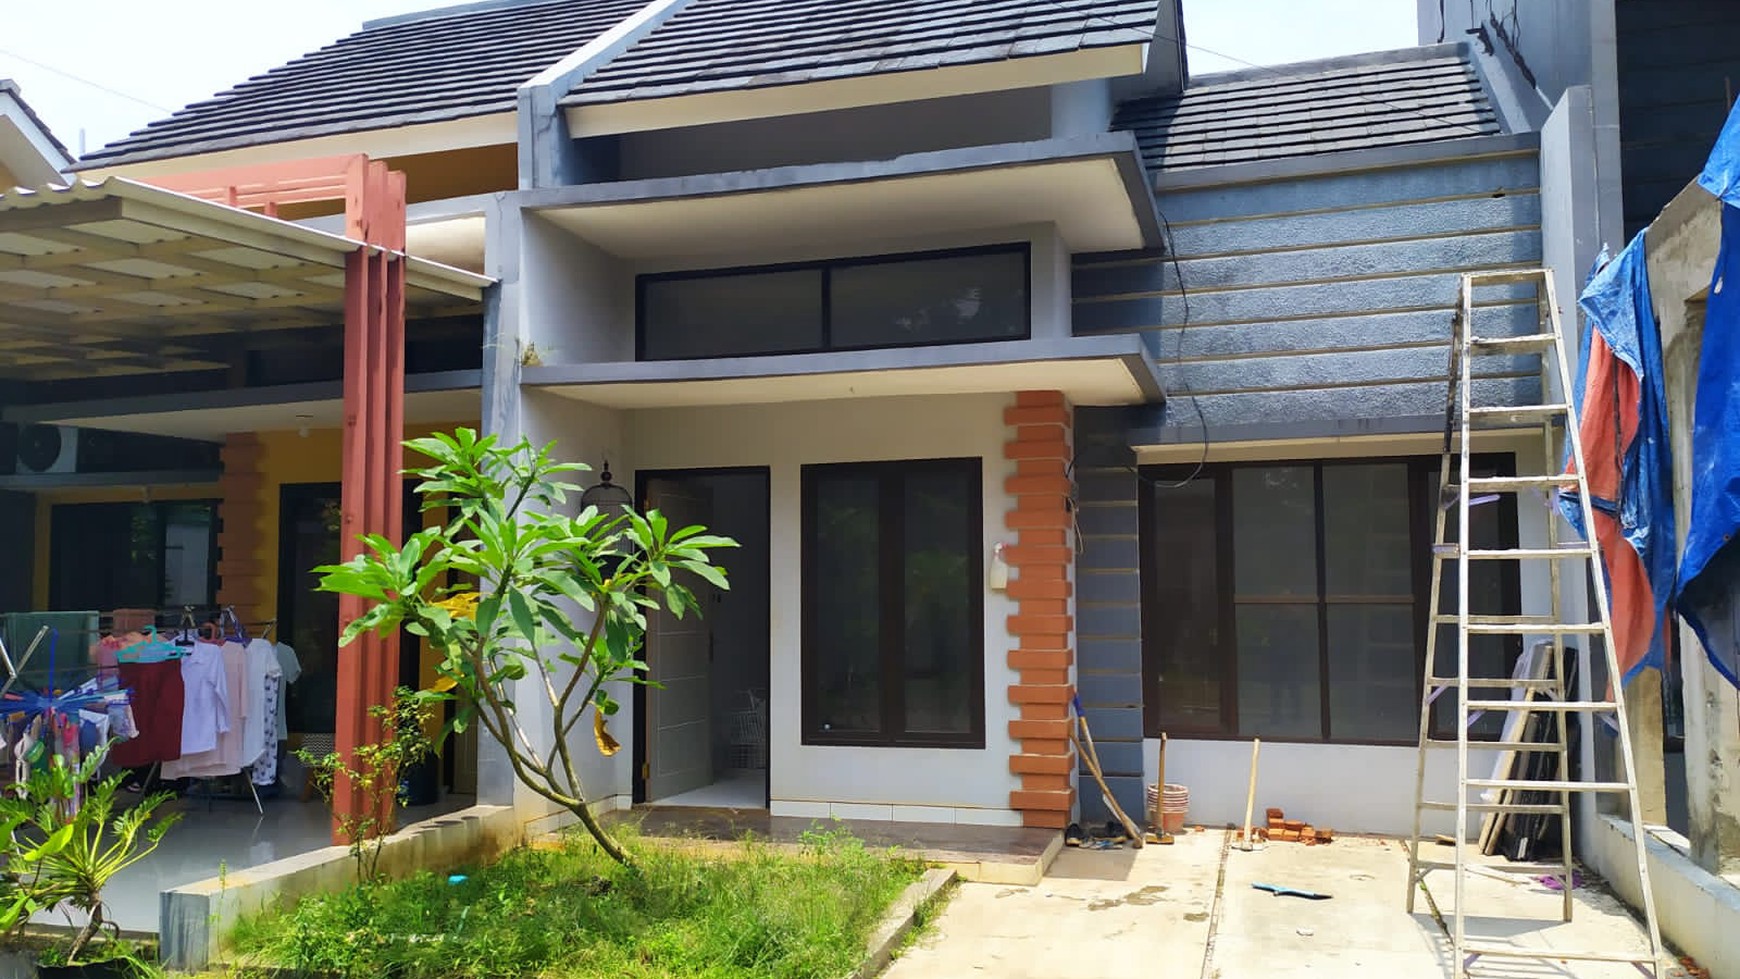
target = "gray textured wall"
x: 1108, y: 607
x: 1320, y: 305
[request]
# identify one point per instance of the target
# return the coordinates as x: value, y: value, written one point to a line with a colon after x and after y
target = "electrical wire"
x: 1178, y: 364
x: 99, y: 86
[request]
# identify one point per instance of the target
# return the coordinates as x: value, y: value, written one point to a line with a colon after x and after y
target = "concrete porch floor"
x: 990, y: 854
x: 1188, y: 911
x: 222, y: 836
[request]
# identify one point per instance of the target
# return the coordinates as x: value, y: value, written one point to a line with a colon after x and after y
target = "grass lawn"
x: 571, y: 913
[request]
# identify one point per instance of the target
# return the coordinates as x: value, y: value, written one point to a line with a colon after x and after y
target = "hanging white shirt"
x: 262, y: 661
x: 292, y: 668
x: 205, y: 707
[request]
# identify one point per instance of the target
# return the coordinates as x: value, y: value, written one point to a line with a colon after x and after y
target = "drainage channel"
x: 1208, y: 970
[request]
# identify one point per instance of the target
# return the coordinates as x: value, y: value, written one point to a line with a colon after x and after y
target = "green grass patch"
x: 571, y: 913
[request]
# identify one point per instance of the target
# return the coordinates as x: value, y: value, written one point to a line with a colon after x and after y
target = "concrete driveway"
x: 1189, y: 911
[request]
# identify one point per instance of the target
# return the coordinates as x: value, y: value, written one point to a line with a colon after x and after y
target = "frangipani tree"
x: 560, y: 599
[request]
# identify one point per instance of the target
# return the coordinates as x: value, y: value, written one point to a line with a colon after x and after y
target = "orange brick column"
x: 1043, y: 628
x: 241, y: 516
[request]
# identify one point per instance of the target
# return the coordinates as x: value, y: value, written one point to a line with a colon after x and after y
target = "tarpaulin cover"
x: 1710, y: 569
x: 1621, y: 403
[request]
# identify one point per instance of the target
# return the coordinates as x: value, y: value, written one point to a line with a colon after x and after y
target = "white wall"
x: 933, y: 785
x: 588, y: 434
x: 1348, y: 788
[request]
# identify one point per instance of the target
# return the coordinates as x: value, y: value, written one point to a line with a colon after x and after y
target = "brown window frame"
x: 889, y: 476
x: 1422, y: 476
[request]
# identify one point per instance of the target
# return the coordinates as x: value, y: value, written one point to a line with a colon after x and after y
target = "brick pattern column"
x: 241, y: 515
x: 1043, y: 628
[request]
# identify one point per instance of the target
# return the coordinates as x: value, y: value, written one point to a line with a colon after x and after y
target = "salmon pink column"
x: 1043, y: 628
x: 374, y: 428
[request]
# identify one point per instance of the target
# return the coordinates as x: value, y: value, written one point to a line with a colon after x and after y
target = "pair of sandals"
x: 1112, y: 835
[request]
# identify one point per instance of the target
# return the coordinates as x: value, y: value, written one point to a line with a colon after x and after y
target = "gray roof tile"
x: 446, y: 65
x: 1391, y: 99
x: 716, y: 45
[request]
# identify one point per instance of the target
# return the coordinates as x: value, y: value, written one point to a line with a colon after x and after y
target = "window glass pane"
x: 187, y: 547
x: 1490, y: 593
x: 1367, y: 540
x: 846, y: 600
x: 930, y: 300
x: 1371, y: 673
x: 942, y: 580
x: 731, y: 315
x: 1183, y: 621
x: 1279, y: 692
x: 1275, y: 532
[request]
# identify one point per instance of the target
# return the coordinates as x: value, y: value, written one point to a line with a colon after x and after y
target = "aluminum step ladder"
x: 1545, y: 693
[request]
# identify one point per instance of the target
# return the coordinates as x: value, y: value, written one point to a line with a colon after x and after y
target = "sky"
x: 103, y: 68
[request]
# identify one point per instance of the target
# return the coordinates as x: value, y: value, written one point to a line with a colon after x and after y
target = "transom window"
x: 1288, y: 600
x: 961, y: 296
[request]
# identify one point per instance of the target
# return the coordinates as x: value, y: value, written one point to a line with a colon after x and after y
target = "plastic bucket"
x: 1176, y: 806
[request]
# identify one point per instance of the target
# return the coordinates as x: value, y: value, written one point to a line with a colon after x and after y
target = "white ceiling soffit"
x: 397, y: 141
x: 212, y: 424
x: 1092, y: 382
x: 1087, y: 199
x: 457, y: 242
x: 640, y: 115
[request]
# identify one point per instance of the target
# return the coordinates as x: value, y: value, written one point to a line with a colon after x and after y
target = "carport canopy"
x: 119, y: 278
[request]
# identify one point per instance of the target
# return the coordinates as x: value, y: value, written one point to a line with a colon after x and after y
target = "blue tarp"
x: 1627, y: 452
x: 1710, y: 569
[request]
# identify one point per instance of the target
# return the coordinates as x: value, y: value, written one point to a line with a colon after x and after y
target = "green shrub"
x: 573, y: 913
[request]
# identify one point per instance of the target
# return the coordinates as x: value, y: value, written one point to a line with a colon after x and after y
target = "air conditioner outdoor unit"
x: 47, y: 449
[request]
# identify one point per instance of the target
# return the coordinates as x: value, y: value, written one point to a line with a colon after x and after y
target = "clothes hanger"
x: 154, y: 646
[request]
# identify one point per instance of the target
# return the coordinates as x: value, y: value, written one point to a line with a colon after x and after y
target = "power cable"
x: 85, y: 81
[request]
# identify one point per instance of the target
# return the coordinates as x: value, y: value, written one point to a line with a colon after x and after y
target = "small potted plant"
x: 62, y: 851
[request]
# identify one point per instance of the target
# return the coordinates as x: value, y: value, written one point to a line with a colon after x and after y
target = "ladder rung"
x: 1506, y: 277
x: 1519, y: 415
x: 1518, y: 952
x: 1475, y: 805
x: 1475, y: 618
x: 1523, y: 867
x: 1516, y: 484
x: 1543, y: 705
x: 1529, y: 628
x: 1525, y: 785
x: 1518, y: 553
x: 1532, y: 343
x: 1495, y: 683
x: 1474, y: 745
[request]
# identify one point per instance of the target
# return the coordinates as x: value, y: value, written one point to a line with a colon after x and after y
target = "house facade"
x: 1022, y: 365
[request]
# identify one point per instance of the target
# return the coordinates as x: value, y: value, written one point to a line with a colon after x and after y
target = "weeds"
x: 573, y: 913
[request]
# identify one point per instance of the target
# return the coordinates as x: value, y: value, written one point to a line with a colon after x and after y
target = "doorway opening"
x: 701, y: 736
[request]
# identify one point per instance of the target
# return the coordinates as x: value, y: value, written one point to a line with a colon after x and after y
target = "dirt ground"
x: 1188, y: 911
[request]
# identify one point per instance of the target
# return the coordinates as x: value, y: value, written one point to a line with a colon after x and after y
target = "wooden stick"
x: 1093, y: 763
x: 1160, y: 791
x: 1251, y: 794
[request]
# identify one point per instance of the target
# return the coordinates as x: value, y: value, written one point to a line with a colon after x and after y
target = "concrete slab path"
x: 1189, y: 911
